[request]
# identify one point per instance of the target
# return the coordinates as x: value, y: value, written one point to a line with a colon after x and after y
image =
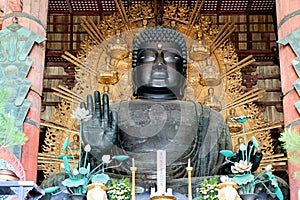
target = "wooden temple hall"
x: 237, y: 67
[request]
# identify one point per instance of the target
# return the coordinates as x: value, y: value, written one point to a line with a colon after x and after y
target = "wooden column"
x: 8, y: 6
x: 288, y: 18
x: 33, y: 17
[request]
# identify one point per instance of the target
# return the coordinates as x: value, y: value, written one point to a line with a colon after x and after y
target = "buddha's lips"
x: 159, y: 74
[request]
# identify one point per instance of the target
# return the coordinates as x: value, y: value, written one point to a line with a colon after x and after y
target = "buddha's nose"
x: 159, y: 63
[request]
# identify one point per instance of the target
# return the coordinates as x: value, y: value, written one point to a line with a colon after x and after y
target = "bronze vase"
x: 77, y: 196
x: 249, y: 196
x: 262, y: 196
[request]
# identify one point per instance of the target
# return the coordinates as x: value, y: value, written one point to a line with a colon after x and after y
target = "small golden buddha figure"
x: 173, y: 24
x: 189, y: 94
x: 145, y: 23
x: 240, y: 141
x: 108, y: 90
x: 211, y: 100
x: 108, y: 73
x: 199, y: 49
x: 209, y: 75
x: 118, y: 47
x: 233, y: 125
x: 75, y: 146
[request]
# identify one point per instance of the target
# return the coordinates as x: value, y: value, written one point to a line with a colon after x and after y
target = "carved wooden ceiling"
x: 103, y: 7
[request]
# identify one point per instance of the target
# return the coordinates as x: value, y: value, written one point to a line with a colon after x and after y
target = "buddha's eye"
x: 146, y: 56
x: 170, y: 57
x: 147, y: 59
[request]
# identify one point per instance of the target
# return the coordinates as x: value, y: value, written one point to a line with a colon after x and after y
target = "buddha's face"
x: 159, y: 69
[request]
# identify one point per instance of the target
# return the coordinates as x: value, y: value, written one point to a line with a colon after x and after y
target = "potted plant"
x: 291, y: 143
x: 80, y: 174
x: 208, y: 189
x: 10, y: 135
x: 243, y: 177
x: 248, y: 182
x: 119, y: 190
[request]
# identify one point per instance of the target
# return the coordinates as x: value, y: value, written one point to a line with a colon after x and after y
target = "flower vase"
x: 249, y: 196
x: 262, y: 196
x: 77, y: 196
x: 96, y: 191
x: 227, y: 191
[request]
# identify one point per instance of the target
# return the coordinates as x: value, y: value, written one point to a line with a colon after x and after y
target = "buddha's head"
x: 159, y: 59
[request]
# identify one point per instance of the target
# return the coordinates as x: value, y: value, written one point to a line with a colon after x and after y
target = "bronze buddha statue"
x: 158, y: 119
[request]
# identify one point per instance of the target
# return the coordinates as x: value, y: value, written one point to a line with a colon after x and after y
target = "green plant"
x: 119, y: 190
x: 246, y: 181
x: 10, y: 135
x: 291, y: 143
x: 208, y: 189
x: 80, y: 173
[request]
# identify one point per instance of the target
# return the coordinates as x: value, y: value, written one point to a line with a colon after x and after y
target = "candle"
x: 189, y: 162
x: 133, y: 162
x: 169, y: 192
x: 152, y: 193
x: 161, y: 172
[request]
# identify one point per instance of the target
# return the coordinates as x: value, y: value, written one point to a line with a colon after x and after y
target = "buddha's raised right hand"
x: 101, y: 130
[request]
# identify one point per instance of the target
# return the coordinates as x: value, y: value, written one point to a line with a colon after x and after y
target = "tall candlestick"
x: 133, y: 170
x: 133, y: 164
x: 189, y: 170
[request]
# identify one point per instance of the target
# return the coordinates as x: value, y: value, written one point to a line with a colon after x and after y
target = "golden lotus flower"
x: 241, y: 167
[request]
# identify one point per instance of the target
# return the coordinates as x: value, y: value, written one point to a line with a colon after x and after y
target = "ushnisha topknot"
x: 160, y: 34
